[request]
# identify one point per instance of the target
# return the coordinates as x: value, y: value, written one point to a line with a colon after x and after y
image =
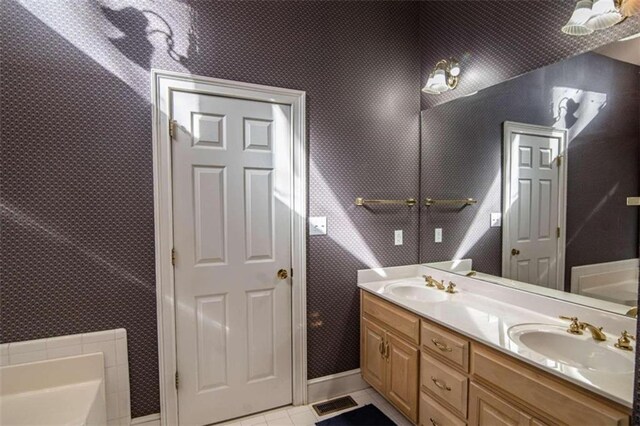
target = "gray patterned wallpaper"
x: 77, y: 199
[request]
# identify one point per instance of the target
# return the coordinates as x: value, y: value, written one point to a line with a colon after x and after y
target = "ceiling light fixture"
x: 445, y: 76
x: 593, y: 15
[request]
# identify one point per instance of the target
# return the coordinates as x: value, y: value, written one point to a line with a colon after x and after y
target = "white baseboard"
x: 335, y: 385
x: 150, y: 420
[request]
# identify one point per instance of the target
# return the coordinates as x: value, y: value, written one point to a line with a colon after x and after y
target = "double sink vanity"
x: 479, y: 353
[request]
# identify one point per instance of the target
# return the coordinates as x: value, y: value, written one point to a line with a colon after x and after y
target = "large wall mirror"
x: 551, y: 158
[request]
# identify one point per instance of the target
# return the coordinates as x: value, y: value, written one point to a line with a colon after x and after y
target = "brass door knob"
x: 283, y: 274
x: 515, y: 252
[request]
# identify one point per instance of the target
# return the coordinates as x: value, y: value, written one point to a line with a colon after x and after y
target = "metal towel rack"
x: 464, y: 201
x: 408, y: 202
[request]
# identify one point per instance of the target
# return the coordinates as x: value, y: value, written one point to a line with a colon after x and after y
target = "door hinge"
x: 558, y: 232
x: 291, y: 272
x: 559, y: 158
x: 173, y: 256
x: 172, y: 128
x: 177, y: 380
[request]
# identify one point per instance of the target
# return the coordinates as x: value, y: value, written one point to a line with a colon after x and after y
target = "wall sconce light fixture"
x: 593, y: 15
x: 445, y: 76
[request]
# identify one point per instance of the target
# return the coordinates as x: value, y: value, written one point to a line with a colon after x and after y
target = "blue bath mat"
x: 369, y: 415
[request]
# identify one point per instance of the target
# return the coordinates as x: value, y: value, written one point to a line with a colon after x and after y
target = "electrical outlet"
x: 496, y: 220
x: 398, y: 237
x: 318, y: 225
x: 438, y: 235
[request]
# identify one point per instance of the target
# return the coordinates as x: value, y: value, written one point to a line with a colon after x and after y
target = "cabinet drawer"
x: 434, y: 414
x: 445, y: 344
x: 543, y: 393
x: 402, y: 322
x: 448, y: 385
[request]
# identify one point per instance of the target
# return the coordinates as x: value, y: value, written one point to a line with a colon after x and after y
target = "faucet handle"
x: 574, y: 327
x: 450, y: 288
x: 572, y: 319
x: 624, y: 341
x: 428, y: 280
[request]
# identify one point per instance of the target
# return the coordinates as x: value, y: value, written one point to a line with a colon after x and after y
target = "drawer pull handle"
x: 386, y: 350
x: 441, y: 346
x: 433, y: 422
x: 381, y: 347
x: 440, y: 384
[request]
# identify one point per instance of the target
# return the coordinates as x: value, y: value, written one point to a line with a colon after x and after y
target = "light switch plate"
x: 317, y: 225
x: 398, y: 237
x: 496, y: 220
x: 437, y: 237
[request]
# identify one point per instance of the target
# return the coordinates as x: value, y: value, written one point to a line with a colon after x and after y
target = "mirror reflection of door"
x: 534, y: 204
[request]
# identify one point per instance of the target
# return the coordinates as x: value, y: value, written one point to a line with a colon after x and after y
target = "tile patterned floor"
x: 306, y: 416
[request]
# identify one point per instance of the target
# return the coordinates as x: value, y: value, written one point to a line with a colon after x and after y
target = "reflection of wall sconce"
x: 445, y: 76
x: 592, y: 15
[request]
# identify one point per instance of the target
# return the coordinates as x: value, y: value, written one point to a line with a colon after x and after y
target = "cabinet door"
x: 487, y: 409
x: 372, y: 362
x: 402, y: 376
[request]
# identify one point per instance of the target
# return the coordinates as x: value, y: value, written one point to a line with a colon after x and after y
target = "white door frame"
x: 534, y: 130
x: 163, y: 83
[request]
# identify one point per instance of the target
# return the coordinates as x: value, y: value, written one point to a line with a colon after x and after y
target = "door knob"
x: 515, y: 252
x: 282, y: 274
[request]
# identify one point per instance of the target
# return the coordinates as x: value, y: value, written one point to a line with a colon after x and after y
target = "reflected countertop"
x: 485, y: 312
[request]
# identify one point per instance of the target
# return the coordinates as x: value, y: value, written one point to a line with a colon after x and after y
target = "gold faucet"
x: 450, y: 288
x: 428, y: 280
x: 439, y: 285
x: 596, y: 332
x: 624, y: 341
x: 633, y: 312
x: 577, y: 327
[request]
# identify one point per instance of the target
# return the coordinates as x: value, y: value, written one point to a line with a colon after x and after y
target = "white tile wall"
x: 113, y: 345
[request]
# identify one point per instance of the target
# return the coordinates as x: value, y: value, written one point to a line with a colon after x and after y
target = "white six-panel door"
x: 231, y: 170
x: 534, y: 205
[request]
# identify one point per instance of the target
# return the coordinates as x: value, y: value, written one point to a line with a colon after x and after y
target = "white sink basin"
x: 417, y: 291
x: 579, y: 351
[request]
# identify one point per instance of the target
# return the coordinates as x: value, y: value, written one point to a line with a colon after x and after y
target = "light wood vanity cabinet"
x: 437, y: 377
x: 487, y: 408
x: 389, y: 357
x: 372, y: 360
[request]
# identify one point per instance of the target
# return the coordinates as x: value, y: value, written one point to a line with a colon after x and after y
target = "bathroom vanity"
x: 489, y: 355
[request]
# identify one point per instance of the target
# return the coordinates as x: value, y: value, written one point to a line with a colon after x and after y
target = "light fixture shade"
x: 604, y: 15
x: 606, y: 20
x: 439, y: 83
x: 428, y: 87
x: 577, y: 23
x: 603, y: 6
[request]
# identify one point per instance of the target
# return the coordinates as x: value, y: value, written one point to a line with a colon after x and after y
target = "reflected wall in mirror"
x: 551, y: 157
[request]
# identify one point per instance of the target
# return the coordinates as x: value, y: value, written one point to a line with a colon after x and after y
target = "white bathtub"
x: 613, y: 281
x: 64, y: 391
